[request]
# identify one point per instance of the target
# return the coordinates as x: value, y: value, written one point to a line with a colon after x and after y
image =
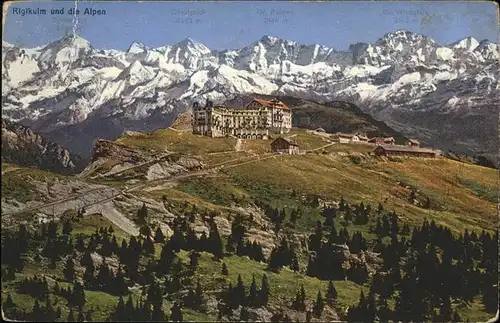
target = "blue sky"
x: 231, y: 24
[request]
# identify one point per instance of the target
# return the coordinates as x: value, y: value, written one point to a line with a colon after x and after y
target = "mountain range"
x: 74, y: 93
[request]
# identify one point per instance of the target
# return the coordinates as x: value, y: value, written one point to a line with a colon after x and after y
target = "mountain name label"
x: 40, y: 12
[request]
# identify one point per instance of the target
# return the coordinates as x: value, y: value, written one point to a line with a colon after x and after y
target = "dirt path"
x: 327, y: 145
x: 149, y: 162
x: 110, y: 193
x: 109, y: 211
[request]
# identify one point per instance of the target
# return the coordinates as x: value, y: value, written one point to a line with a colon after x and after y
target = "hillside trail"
x: 107, y: 208
x: 146, y: 163
x: 109, y: 211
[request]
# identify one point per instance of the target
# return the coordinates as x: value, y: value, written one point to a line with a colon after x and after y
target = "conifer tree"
x: 225, y: 272
x: 176, y: 313
x: 88, y: 316
x: 319, y: 305
x: 239, y: 292
x: 299, y: 303
x: 69, y: 270
x: 67, y: 227
x: 142, y: 213
x: 456, y: 317
x: 253, y: 294
x: 81, y: 317
x: 157, y: 315
x: 119, y: 313
x: 308, y: 316
x: 78, y: 295
x: 71, y: 316
x: 394, y: 224
x: 193, y: 260
x: 490, y: 296
x: 341, y: 204
x: 9, y: 303
x: 244, y: 314
x: 148, y: 246
x: 198, y: 295
x: 264, y: 291
x: 331, y: 294
x: 159, y: 236
x: 215, y: 242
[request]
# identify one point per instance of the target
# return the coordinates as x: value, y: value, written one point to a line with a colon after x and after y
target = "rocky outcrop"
x: 22, y: 146
x: 120, y: 153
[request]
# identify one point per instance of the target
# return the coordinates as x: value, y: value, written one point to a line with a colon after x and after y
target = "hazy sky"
x: 233, y: 24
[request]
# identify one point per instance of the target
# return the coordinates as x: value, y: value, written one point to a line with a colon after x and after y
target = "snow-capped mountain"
x: 445, y: 95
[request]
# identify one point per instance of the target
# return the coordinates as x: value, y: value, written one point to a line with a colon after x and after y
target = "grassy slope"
x: 464, y: 193
x: 332, y: 177
x: 178, y: 141
x: 17, y: 182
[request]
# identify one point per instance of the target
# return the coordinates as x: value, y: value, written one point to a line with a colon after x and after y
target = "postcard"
x: 251, y: 161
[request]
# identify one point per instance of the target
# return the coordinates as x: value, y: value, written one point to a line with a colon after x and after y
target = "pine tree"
x: 394, y: 224
x: 49, y: 311
x: 142, y: 213
x: 215, y: 243
x: 331, y: 294
x: 157, y: 315
x: 239, y: 292
x: 456, y: 317
x: 119, y: 313
x: 264, y: 291
x: 193, y: 260
x: 341, y: 204
x: 88, y: 316
x: 445, y: 311
x: 253, y: 294
x: 81, y: 317
x: 308, y: 316
x: 225, y: 272
x: 78, y: 295
x: 319, y: 305
x: 145, y: 230
x: 67, y: 227
x: 244, y: 314
x: 155, y: 294
x: 176, y: 313
x: 295, y: 262
x: 159, y: 236
x: 148, y: 246
x: 69, y: 270
x: 9, y: 303
x: 71, y: 316
x: 490, y: 296
x: 299, y: 303
x: 198, y: 295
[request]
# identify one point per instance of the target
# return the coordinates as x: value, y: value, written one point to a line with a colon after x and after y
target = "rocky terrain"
x: 443, y: 94
x: 20, y: 145
x: 327, y: 217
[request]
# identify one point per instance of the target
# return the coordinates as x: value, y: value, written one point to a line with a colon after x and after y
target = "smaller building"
x: 285, y: 146
x: 344, y: 138
x: 406, y: 151
x: 382, y: 141
x: 320, y: 130
x: 362, y: 137
x: 412, y: 143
